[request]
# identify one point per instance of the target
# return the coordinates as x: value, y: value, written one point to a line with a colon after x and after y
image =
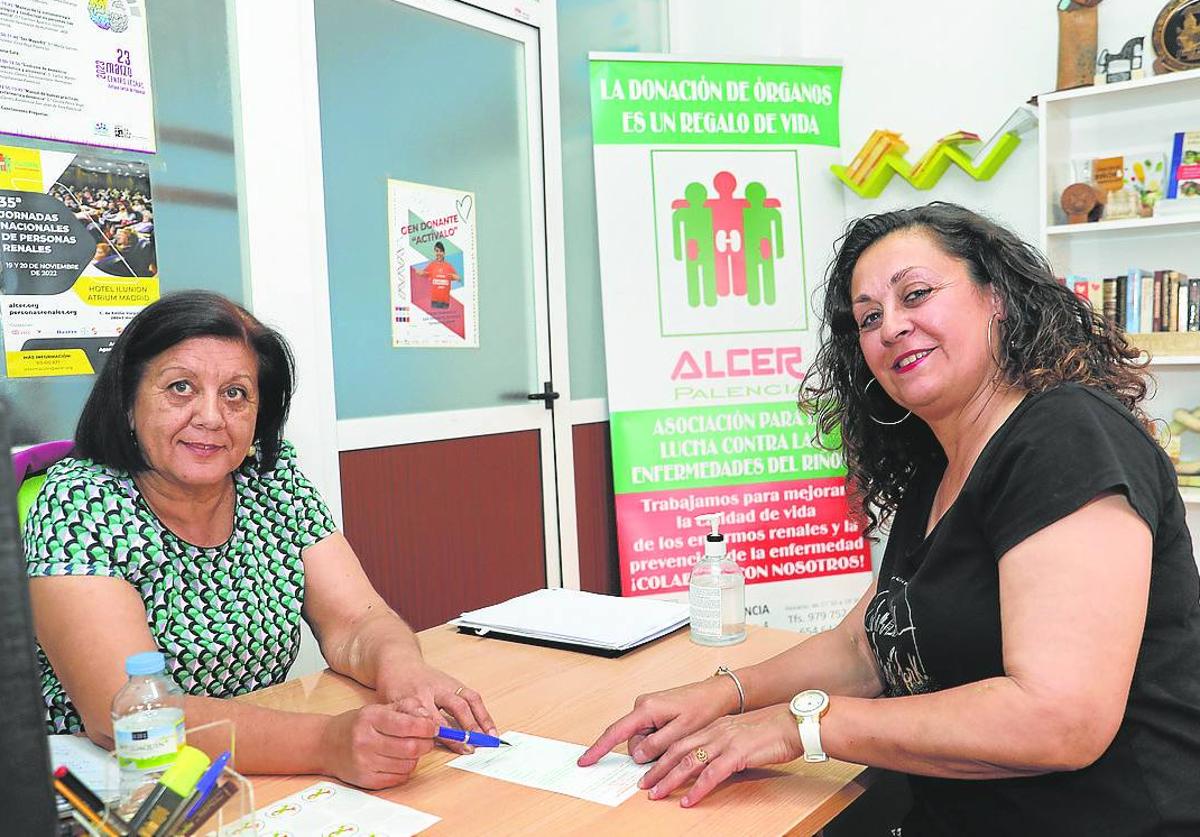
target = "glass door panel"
x: 407, y: 94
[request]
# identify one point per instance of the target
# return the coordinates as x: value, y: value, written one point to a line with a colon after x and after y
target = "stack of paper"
x: 605, y: 623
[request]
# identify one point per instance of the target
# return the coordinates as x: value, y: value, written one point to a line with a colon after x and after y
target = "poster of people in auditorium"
x: 77, y: 257
x: 77, y: 71
x: 716, y: 212
x: 433, y: 270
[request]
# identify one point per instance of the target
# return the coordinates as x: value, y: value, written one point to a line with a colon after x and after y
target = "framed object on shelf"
x: 1176, y: 36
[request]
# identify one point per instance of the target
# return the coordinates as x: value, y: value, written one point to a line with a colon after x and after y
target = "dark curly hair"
x: 102, y: 433
x: 1049, y: 336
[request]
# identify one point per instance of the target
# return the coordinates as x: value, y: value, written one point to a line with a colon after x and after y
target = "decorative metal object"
x: 1120, y: 66
x: 1176, y: 36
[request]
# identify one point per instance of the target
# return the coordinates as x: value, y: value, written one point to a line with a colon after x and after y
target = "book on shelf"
x: 1133, y: 300
x: 1090, y: 291
x: 1146, y: 305
x: 1143, y: 301
x: 1183, y: 173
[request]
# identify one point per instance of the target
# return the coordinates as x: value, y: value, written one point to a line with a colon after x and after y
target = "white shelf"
x: 1137, y: 86
x: 1190, y: 495
x: 1136, y: 95
x: 1174, y: 360
x: 1100, y: 227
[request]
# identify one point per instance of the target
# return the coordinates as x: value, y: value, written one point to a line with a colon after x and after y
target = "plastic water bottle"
x: 147, y: 716
x: 716, y: 592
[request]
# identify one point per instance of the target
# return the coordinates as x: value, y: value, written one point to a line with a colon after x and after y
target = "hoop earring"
x: 879, y: 421
x: 993, y: 352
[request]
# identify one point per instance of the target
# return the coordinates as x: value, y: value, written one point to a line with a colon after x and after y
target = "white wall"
x: 923, y: 69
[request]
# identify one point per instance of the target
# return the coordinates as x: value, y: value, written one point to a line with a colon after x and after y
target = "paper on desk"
x: 92, y: 765
x: 548, y: 764
x: 572, y: 616
x: 326, y: 808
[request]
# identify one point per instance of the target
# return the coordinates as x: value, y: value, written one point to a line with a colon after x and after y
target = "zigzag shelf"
x: 891, y: 164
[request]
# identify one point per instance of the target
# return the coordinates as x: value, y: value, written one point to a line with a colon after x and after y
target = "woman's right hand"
x: 659, y: 719
x: 377, y: 746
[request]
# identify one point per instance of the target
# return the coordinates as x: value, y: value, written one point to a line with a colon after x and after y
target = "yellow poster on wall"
x: 77, y: 257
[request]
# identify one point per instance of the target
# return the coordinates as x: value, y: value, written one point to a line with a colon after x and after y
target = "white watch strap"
x: 810, y: 738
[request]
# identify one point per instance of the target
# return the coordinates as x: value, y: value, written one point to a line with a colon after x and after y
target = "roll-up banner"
x: 716, y: 216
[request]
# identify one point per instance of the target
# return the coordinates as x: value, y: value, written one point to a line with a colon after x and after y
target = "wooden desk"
x: 573, y: 697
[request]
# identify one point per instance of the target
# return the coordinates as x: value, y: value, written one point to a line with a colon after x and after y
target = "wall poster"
x: 77, y: 71
x: 434, y: 271
x: 712, y: 185
x: 77, y: 257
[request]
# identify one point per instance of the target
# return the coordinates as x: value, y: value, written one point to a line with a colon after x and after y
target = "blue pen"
x: 207, y: 782
x: 475, y: 739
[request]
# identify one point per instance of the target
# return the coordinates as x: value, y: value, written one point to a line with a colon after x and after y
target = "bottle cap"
x: 714, y: 541
x: 146, y: 662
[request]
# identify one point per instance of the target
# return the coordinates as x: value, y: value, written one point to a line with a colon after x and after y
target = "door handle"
x: 548, y: 395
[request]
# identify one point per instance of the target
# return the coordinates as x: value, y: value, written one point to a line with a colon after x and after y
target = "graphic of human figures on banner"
x: 728, y: 243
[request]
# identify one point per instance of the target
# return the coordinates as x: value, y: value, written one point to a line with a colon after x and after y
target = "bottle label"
x: 150, y: 740
x: 705, y: 606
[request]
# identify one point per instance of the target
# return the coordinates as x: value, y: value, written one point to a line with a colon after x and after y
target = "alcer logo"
x: 109, y: 14
x: 728, y: 244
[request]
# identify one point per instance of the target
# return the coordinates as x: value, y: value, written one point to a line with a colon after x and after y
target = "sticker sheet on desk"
x: 325, y: 809
x: 548, y: 764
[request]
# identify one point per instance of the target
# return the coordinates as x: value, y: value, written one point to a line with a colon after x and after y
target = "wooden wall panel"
x: 443, y: 527
x: 596, y: 516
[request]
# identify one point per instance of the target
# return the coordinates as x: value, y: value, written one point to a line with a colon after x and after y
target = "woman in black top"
x: 1030, y: 653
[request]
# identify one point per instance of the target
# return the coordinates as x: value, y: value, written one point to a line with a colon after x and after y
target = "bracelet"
x: 737, y: 682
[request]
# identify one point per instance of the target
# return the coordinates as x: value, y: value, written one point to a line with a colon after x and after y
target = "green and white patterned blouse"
x: 227, y: 618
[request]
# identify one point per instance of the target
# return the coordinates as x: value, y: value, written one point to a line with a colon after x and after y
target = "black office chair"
x: 26, y: 795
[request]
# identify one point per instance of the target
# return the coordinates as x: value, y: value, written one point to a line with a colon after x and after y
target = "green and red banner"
x: 715, y: 212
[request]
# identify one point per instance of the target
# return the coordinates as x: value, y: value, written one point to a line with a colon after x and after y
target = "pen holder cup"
x: 230, y: 807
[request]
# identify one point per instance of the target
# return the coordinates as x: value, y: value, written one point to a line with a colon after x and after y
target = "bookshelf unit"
x: 1106, y: 120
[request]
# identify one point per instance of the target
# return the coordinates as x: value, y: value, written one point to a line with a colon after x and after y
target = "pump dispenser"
x: 717, y: 591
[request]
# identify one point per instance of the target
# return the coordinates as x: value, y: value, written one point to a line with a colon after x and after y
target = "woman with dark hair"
x: 182, y: 523
x: 1029, y: 652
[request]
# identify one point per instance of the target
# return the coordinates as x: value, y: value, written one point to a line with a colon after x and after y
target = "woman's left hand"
x: 726, y: 746
x: 436, y: 692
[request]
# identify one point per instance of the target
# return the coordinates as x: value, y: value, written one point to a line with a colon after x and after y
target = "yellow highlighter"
x: 171, y: 792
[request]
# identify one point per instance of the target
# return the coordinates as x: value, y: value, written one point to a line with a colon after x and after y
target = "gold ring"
x: 458, y: 691
x: 701, y: 755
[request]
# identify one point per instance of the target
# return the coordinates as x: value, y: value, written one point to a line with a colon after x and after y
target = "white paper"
x: 572, y: 616
x: 434, y: 268
x: 548, y: 764
x: 92, y: 765
x: 77, y: 71
x: 326, y: 808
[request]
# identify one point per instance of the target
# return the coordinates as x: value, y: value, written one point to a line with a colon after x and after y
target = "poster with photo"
x: 77, y: 71
x: 712, y: 180
x: 433, y: 267
x: 77, y: 257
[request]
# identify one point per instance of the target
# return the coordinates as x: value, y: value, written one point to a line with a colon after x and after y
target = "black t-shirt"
x: 935, y: 622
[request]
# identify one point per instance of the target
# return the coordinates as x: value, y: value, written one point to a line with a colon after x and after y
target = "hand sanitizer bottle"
x: 717, y: 592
